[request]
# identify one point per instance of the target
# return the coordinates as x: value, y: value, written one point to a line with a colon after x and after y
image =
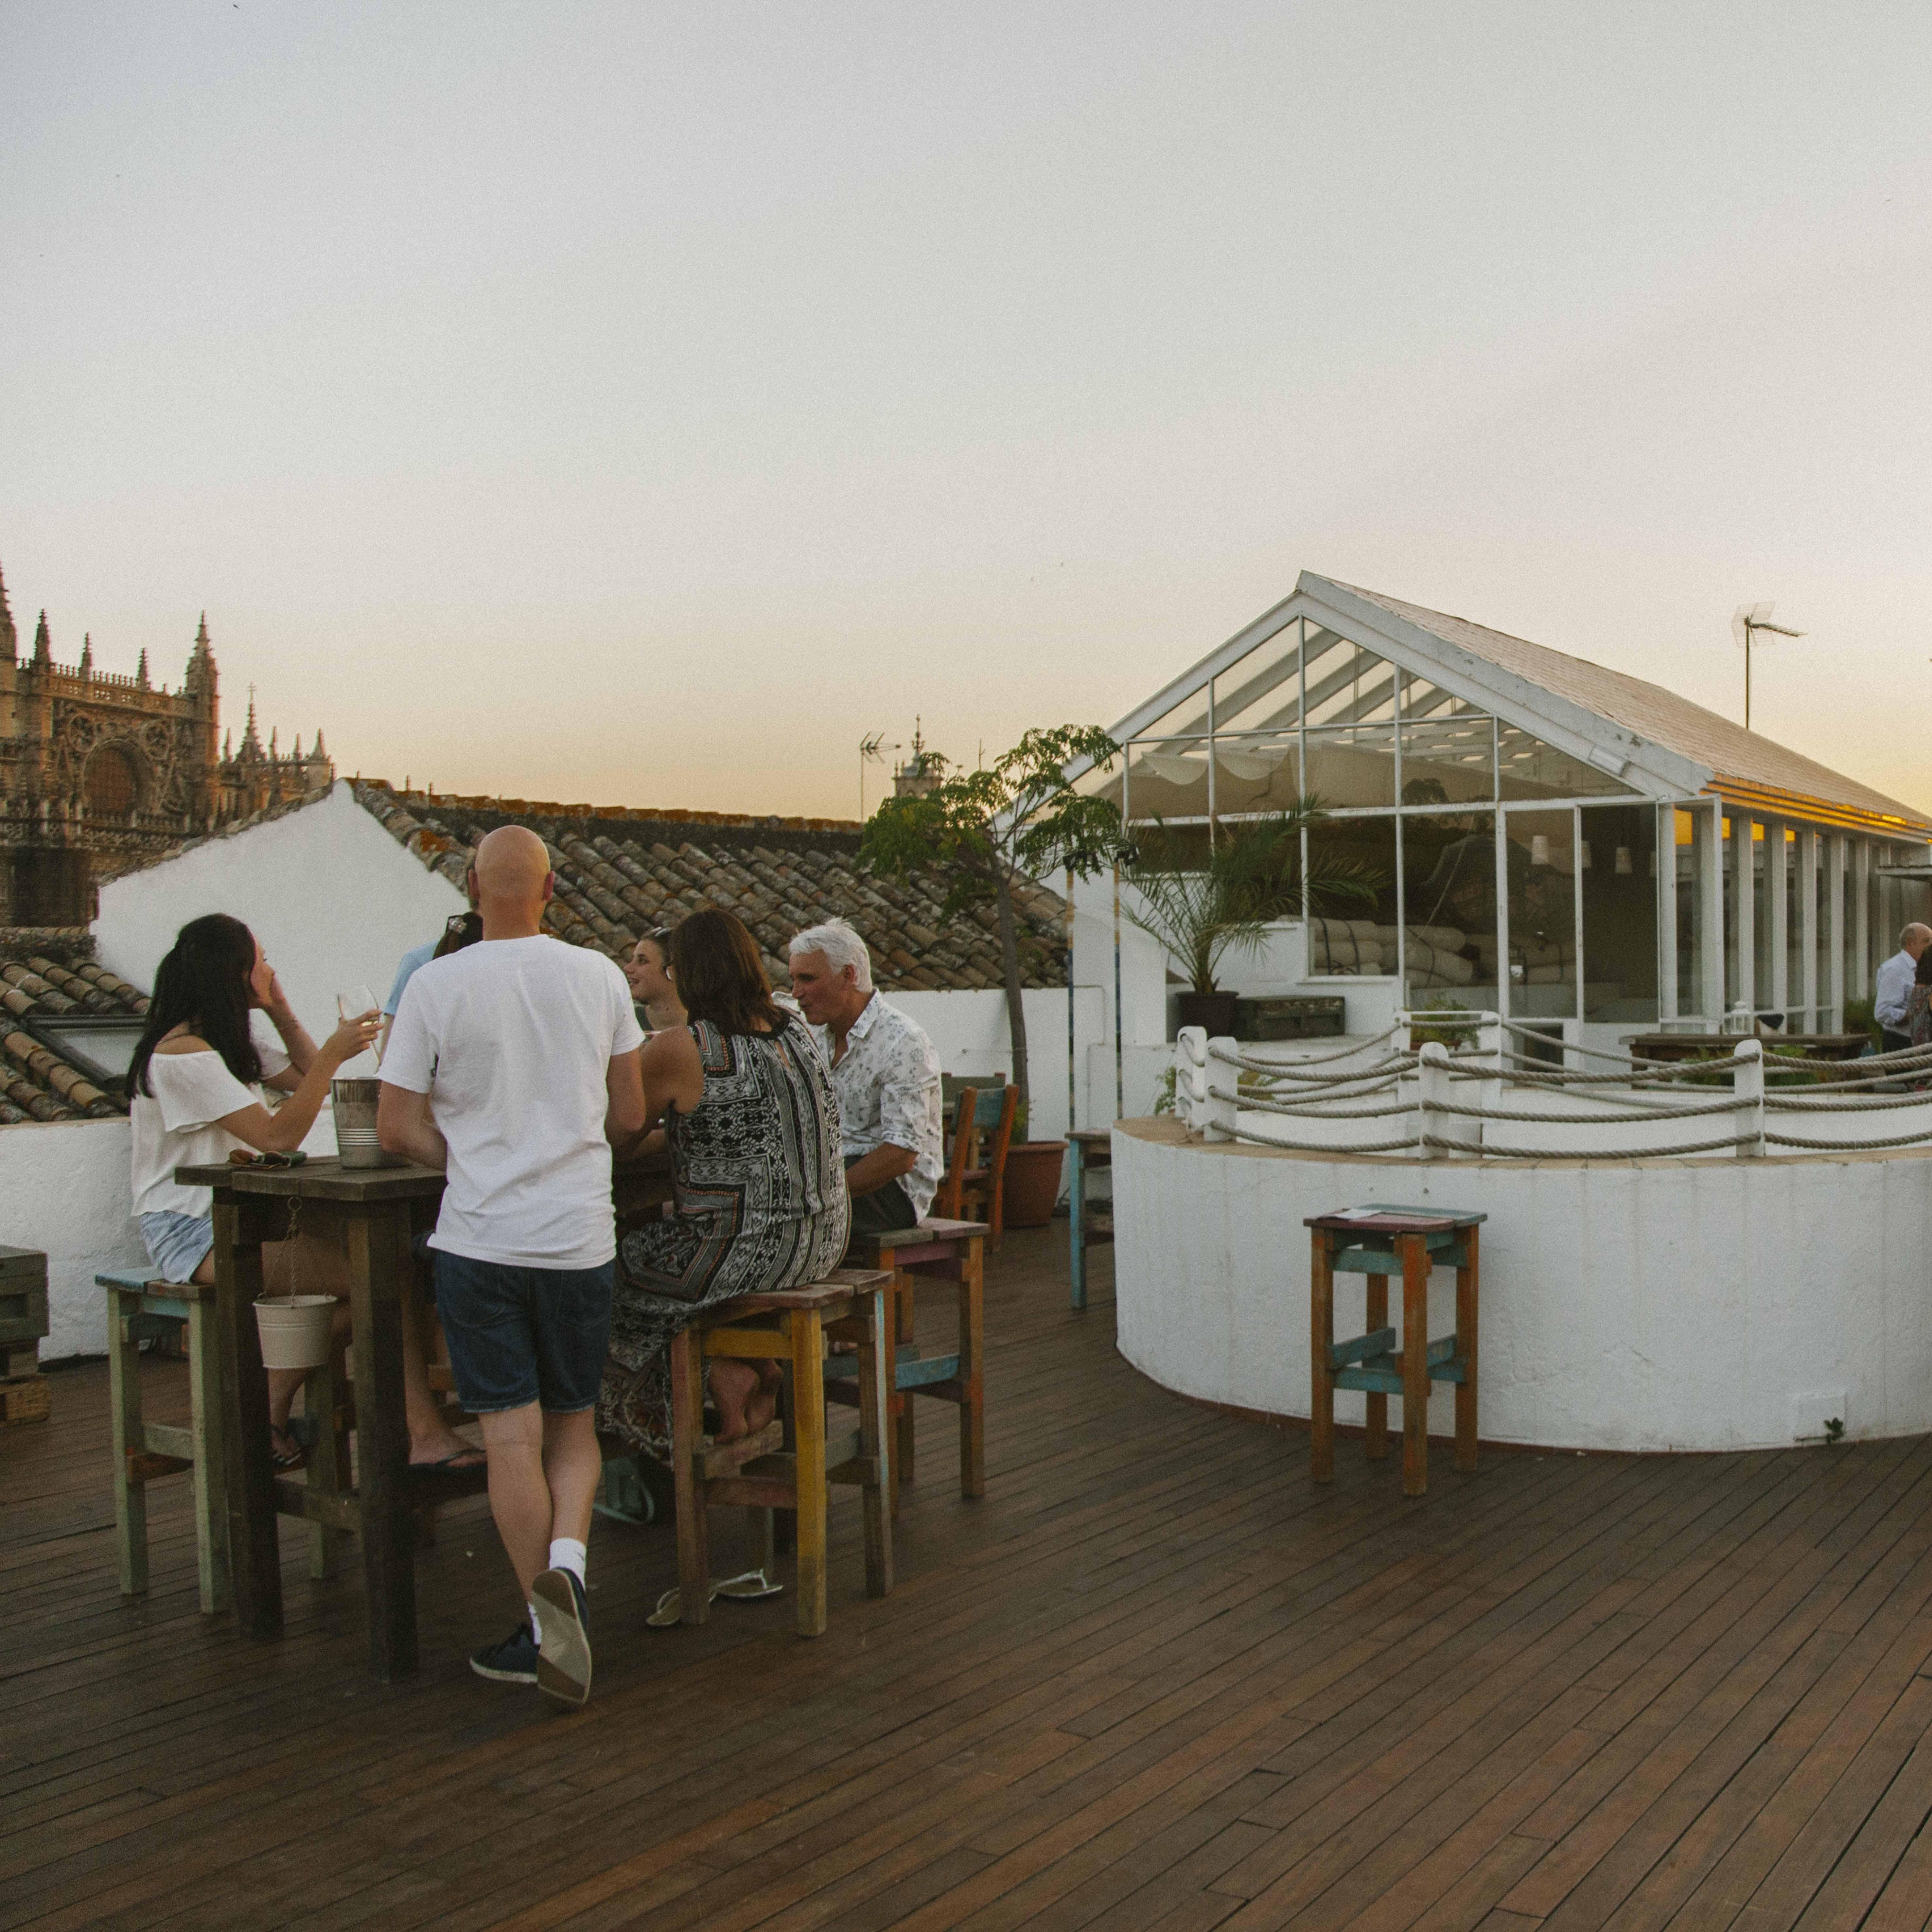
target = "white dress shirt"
x: 888, y: 1088
x: 1891, y: 991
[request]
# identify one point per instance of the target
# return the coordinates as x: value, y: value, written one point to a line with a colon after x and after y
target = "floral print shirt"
x: 888, y: 1088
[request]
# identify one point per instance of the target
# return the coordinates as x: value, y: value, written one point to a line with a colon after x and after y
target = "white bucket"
x: 355, y: 1101
x: 295, y: 1330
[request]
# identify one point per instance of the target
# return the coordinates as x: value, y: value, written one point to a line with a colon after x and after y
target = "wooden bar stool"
x: 789, y: 1466
x: 145, y: 1452
x: 1378, y: 1241
x: 1089, y: 1222
x: 933, y: 1250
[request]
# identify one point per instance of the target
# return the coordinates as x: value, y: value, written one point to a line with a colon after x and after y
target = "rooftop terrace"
x: 1153, y: 1679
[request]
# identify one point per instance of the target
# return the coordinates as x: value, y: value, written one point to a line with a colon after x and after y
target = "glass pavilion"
x: 1544, y: 837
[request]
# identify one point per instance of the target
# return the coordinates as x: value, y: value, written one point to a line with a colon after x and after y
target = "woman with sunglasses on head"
x: 195, y: 1087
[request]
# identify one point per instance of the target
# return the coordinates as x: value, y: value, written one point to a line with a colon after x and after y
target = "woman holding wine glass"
x: 195, y: 1087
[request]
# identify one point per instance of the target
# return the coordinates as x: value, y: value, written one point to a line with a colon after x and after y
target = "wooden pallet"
x: 18, y: 1359
x: 24, y: 1399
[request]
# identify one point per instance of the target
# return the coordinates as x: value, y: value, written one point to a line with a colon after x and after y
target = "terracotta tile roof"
x: 621, y: 873
x: 38, y: 1082
x: 1737, y: 758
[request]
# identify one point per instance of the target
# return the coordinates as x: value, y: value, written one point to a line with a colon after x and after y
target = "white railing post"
x: 1217, y: 1116
x: 1190, y: 1076
x: 1747, y: 1081
x: 1432, y: 1088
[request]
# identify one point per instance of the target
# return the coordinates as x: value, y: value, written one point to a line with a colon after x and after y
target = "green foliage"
x: 1017, y: 817
x: 1861, y: 1016
x: 1252, y: 877
x: 1457, y: 1027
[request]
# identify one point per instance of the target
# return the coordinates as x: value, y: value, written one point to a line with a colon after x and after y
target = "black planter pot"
x: 1216, y: 1012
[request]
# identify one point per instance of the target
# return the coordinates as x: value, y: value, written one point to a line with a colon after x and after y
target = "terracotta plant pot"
x: 1033, y: 1181
x: 1216, y: 1012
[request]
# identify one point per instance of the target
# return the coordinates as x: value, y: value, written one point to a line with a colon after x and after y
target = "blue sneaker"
x: 563, y: 1664
x: 512, y: 1661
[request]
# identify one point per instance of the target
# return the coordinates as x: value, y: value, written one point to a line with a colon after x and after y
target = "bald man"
x: 513, y: 1067
x: 1891, y: 990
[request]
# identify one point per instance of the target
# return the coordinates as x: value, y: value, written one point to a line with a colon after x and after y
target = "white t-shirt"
x: 176, y: 1126
x: 512, y: 1040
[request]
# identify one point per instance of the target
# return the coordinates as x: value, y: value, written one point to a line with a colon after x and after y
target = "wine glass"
x: 351, y: 1004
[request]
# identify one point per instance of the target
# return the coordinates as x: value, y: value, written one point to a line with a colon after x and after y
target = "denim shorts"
x: 523, y: 1335
x: 177, y: 1243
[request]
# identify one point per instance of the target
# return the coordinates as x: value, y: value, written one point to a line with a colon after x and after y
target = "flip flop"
x: 290, y: 1458
x: 454, y: 1460
x: 754, y: 1586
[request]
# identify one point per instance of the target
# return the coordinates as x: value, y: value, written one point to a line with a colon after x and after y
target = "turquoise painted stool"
x: 1378, y: 1241
x: 144, y: 1451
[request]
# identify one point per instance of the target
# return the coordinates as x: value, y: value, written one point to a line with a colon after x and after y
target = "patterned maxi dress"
x: 761, y: 1204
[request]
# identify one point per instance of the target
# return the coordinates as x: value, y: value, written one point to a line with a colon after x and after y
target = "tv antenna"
x: 871, y: 751
x: 1746, y: 621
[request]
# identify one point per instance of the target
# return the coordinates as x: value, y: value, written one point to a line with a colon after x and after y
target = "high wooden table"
x: 1089, y: 1223
x: 380, y: 1210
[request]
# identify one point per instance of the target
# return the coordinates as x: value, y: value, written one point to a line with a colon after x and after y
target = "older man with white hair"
x: 885, y: 1072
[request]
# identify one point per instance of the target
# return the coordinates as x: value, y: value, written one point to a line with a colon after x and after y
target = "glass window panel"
x: 1351, y: 897
x: 1167, y: 778
x: 1355, y: 766
x: 1259, y: 774
x: 1095, y: 783
x: 1422, y: 699
x: 1448, y: 762
x: 1449, y: 887
x: 1262, y: 690
x: 1794, y: 936
x: 1349, y: 685
x: 1527, y: 768
x: 1542, y: 860
x: 1730, y: 884
x: 1693, y: 829
x: 1619, y: 877
x: 1187, y: 719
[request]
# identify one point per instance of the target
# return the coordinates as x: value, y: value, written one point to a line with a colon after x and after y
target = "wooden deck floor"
x: 1153, y: 1679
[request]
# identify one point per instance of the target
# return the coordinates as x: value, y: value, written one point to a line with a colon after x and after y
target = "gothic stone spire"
x: 44, y: 652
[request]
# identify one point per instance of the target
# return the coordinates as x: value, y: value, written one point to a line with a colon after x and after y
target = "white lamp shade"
x: 1623, y: 861
x: 1539, y: 848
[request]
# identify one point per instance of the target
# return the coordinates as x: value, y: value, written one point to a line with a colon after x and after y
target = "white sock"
x: 536, y: 1628
x: 567, y: 1553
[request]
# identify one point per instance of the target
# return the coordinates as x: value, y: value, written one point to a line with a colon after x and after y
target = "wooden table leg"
x: 905, y: 1310
x: 1414, y: 1251
x: 124, y: 1384
x: 1466, y: 1338
x: 687, y: 1410
x: 807, y: 1368
x: 254, y: 1547
x: 875, y: 1357
x: 1076, y: 1223
x: 378, y: 1260
x: 205, y: 1425
x: 1375, y: 1435
x: 1321, y: 1376
x: 972, y: 1360
x: 323, y: 1398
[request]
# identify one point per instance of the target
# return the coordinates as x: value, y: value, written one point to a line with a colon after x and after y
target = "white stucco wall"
x: 1697, y: 1304
x: 335, y: 901
x: 64, y: 1189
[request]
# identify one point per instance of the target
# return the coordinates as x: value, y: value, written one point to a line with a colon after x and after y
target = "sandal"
x: 284, y: 1451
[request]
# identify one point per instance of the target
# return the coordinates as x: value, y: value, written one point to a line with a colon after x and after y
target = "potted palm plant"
x: 1200, y: 905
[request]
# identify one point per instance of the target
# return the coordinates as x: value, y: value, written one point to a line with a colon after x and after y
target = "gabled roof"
x: 1744, y: 766
x: 1658, y: 742
x: 38, y: 1080
x: 620, y: 874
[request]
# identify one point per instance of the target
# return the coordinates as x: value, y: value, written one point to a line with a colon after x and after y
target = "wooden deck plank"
x: 1154, y: 1678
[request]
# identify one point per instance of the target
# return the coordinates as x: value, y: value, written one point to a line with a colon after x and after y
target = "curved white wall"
x: 1697, y: 1304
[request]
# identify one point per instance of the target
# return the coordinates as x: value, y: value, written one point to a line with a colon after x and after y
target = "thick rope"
x: 1587, y: 1120
x: 1253, y: 1065
x: 1319, y: 1146
x: 1857, y: 1104
x: 1247, y: 1103
x: 1847, y: 1147
x: 1608, y: 1154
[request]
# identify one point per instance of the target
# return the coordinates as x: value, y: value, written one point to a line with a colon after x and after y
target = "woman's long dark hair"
x: 715, y: 964
x: 203, y: 984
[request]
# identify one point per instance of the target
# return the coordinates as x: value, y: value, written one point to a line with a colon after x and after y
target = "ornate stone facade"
x: 99, y: 773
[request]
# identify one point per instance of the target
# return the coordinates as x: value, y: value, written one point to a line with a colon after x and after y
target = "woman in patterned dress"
x: 752, y: 1125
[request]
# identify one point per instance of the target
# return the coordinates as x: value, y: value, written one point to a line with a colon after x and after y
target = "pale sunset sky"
x: 639, y: 404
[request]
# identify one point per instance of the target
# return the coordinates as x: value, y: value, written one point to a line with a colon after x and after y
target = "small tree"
x: 985, y: 832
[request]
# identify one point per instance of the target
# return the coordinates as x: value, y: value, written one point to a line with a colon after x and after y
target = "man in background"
x: 526, y: 1049
x: 1891, y: 988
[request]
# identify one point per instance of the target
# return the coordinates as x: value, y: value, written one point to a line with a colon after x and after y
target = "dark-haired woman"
x: 752, y: 1124
x: 195, y: 1085
x: 653, y: 988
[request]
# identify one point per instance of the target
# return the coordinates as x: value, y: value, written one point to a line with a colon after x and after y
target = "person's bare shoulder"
x: 183, y: 1042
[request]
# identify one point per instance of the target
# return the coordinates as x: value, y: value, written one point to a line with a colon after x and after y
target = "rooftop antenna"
x: 871, y: 752
x: 1746, y: 621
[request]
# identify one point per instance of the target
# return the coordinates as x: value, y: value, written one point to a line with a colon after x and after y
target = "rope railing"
x: 1248, y: 1103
